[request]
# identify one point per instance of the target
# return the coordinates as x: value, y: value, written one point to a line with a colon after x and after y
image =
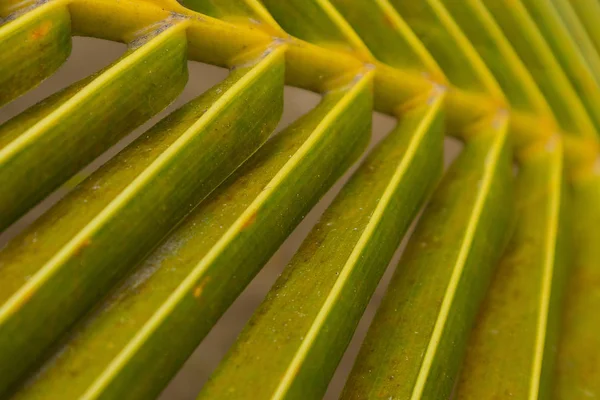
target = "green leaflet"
x: 309, y: 316
x: 512, y: 348
x: 587, y: 11
x: 60, y: 266
x: 32, y: 47
x: 219, y: 8
x: 564, y: 46
x: 524, y: 36
x: 415, y: 345
x: 315, y: 21
x: 487, y: 38
x: 406, y: 70
x: 578, y: 362
x: 432, y: 24
x: 577, y: 31
x: 186, y: 284
x: 125, y: 287
x: 249, y: 12
x: 43, y: 147
x: 387, y: 35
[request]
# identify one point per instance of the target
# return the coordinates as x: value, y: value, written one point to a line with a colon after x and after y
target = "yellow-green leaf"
x: 388, y: 37
x: 440, y: 34
x: 512, y: 348
x: 187, y: 283
x: 32, y: 47
x: 526, y: 39
x: 417, y: 340
x: 309, y: 317
x: 63, y: 263
x: 318, y: 22
x: 578, y: 362
x: 584, y: 80
x: 47, y: 144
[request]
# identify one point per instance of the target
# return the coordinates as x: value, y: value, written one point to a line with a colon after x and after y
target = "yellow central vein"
x: 11, y: 306
x: 55, y: 117
x: 221, y: 246
x: 374, y: 221
x: 440, y: 324
x: 548, y: 271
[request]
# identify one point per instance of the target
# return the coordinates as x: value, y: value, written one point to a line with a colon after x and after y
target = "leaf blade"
x: 59, y: 267
x: 414, y: 345
x: 33, y: 46
x: 577, y: 368
x: 84, y: 122
x: 510, y: 346
x: 189, y: 281
x: 309, y: 316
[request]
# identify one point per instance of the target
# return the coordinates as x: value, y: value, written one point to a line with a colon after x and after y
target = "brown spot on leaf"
x: 85, y: 243
x: 200, y: 287
x: 249, y: 221
x: 389, y: 21
x: 25, y: 298
x: 41, y: 30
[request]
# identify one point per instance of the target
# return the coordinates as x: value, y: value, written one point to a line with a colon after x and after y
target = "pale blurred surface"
x: 90, y: 55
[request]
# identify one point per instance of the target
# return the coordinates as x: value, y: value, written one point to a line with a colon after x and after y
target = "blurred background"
x: 90, y: 55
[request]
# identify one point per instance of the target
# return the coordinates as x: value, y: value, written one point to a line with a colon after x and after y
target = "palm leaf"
x: 108, y: 292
